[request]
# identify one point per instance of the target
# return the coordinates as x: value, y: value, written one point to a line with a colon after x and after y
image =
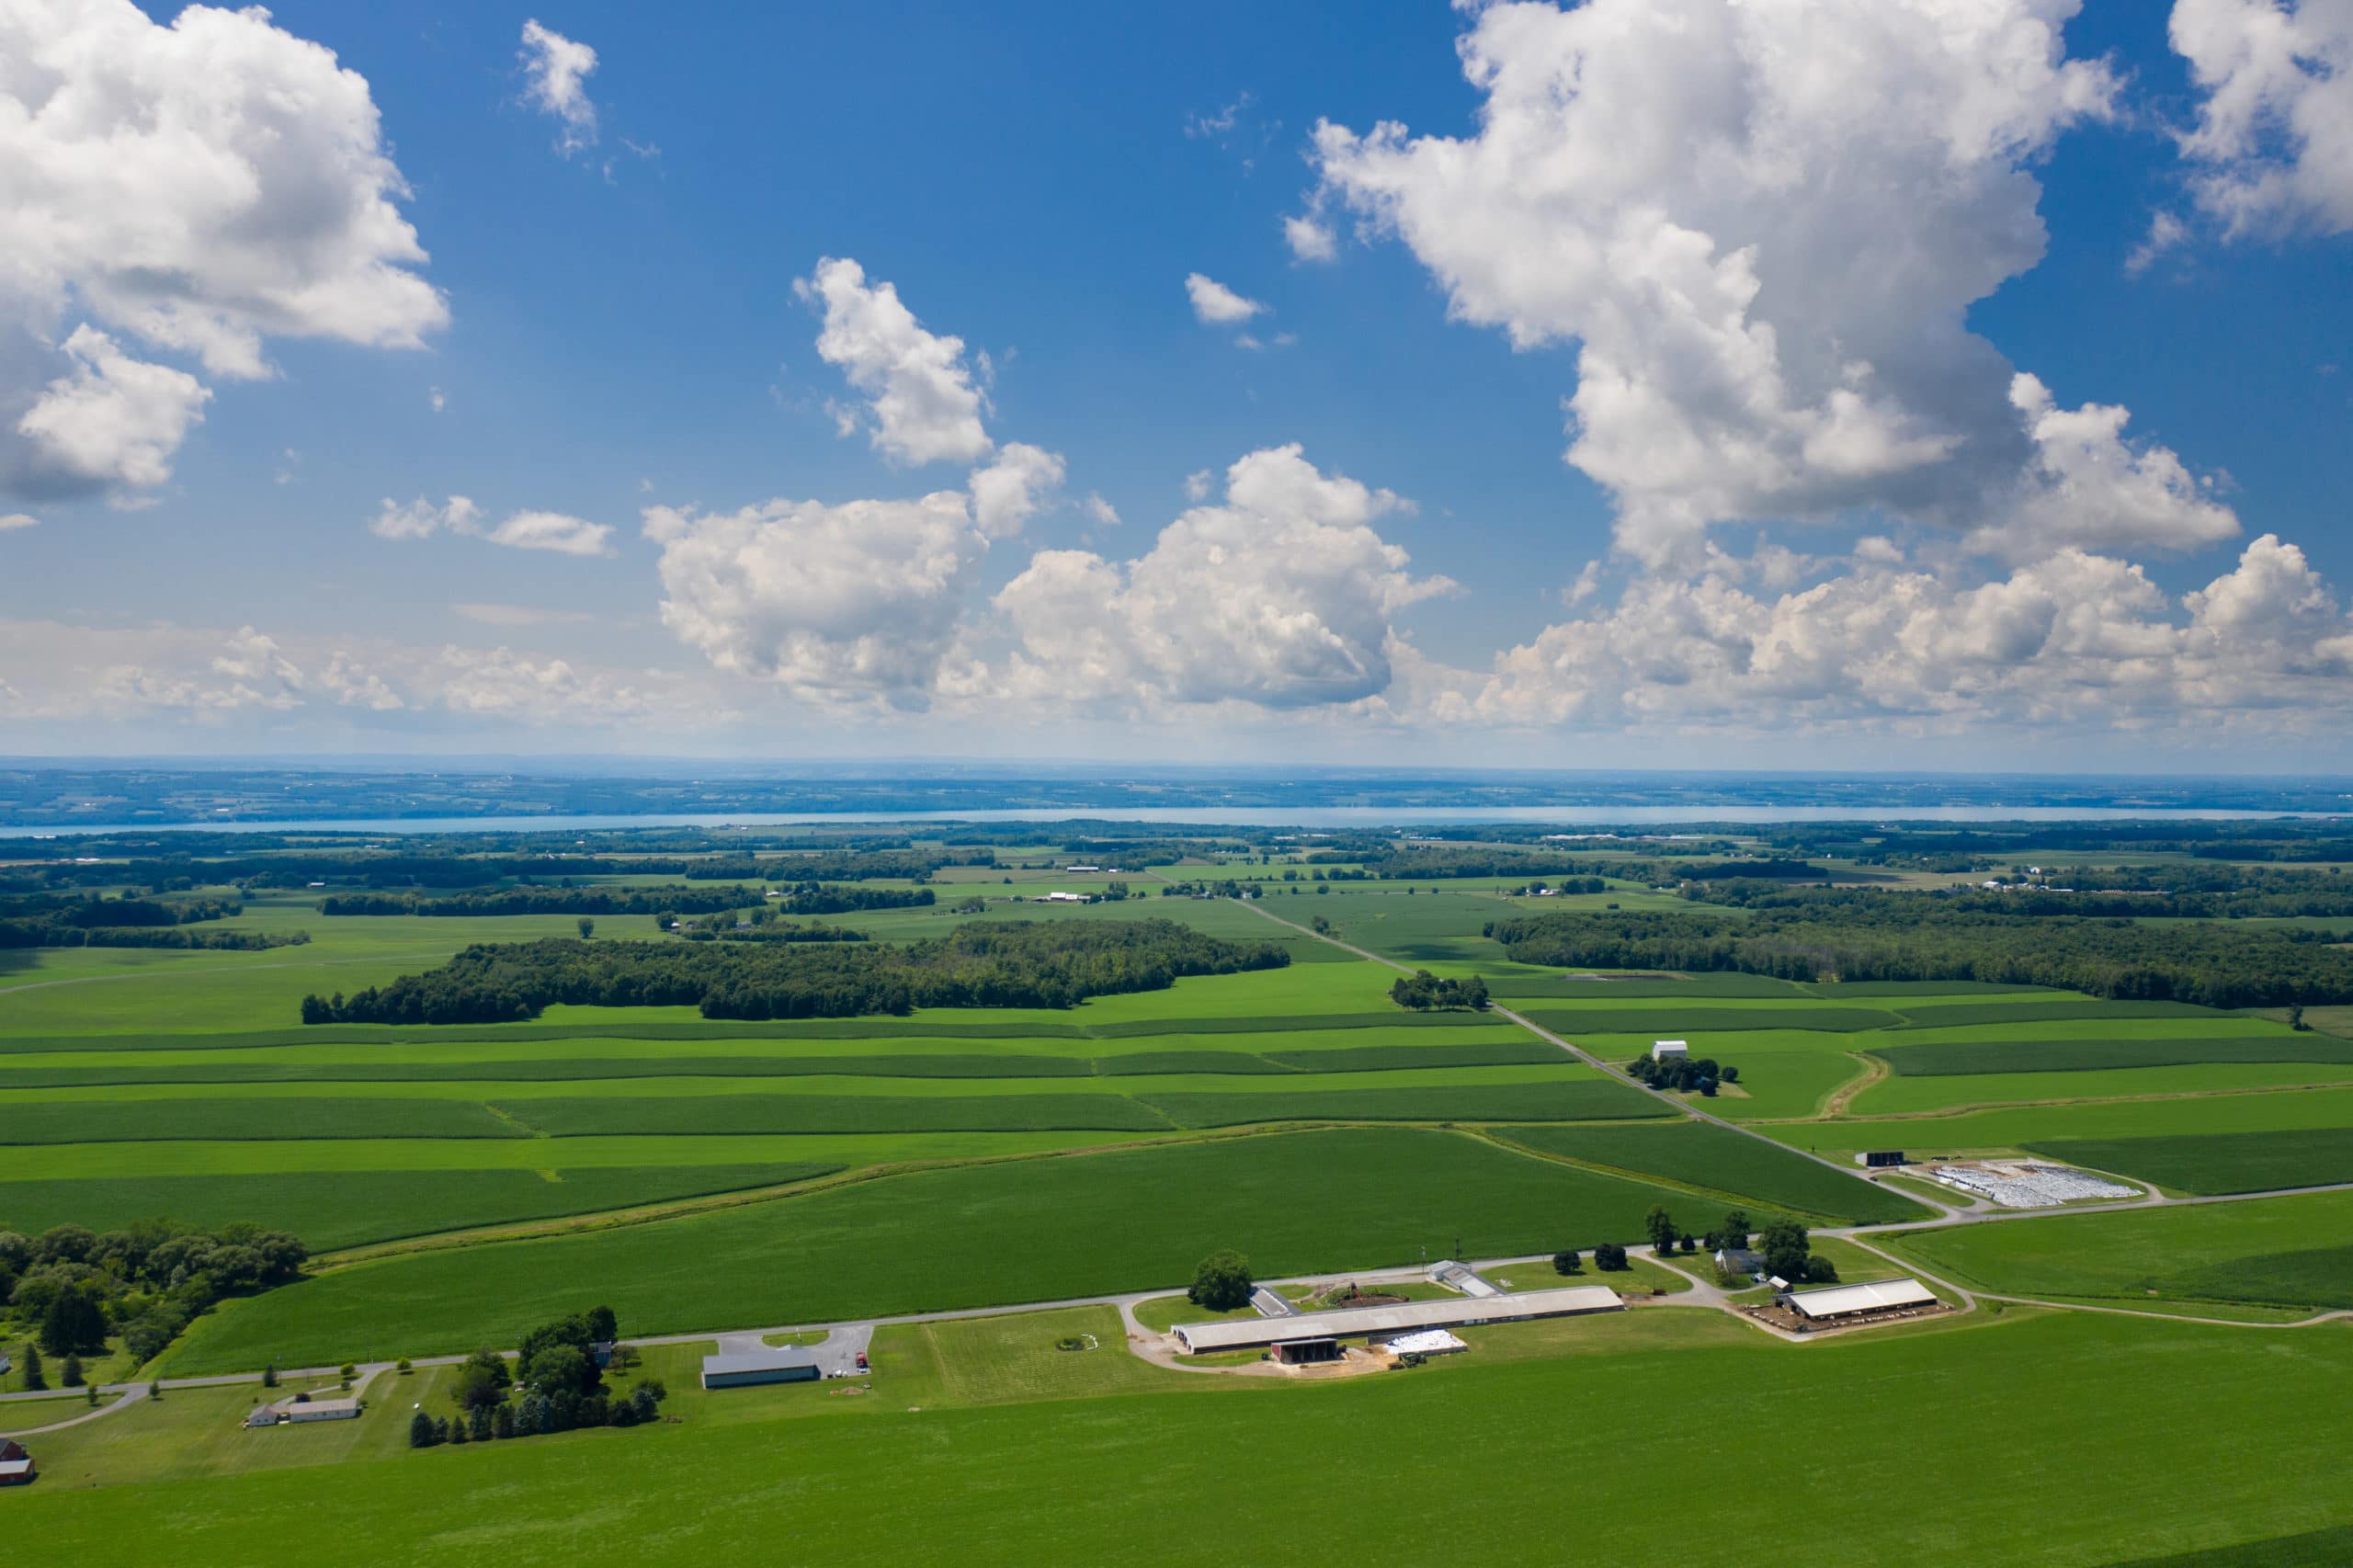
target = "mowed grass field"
x: 925, y: 1460
x: 2293, y: 1253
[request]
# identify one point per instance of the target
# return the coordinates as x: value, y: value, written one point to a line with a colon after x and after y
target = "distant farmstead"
x: 16, y: 1465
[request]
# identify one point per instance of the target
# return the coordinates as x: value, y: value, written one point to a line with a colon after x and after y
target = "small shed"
x: 1670, y: 1050
x: 1879, y: 1159
x: 750, y: 1369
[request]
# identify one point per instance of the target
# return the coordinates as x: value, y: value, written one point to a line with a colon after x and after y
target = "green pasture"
x: 2011, y: 1129
x: 1029, y: 1230
x: 2006, y: 1056
x: 872, y: 1479
x: 1680, y: 1020
x: 27, y: 1120
x: 2291, y: 1253
x: 2217, y: 1162
x: 2046, y: 1007
x: 1608, y: 988
x: 1897, y: 1096
x: 341, y: 1209
x: 1695, y: 1153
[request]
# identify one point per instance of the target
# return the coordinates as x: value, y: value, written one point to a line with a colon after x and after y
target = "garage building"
x: 744, y: 1369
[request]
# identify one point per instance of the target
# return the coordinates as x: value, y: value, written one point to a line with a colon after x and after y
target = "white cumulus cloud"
x: 2273, y: 143
x: 858, y: 602
x: 1011, y: 489
x: 920, y: 397
x: 1282, y: 596
x: 421, y: 519
x: 556, y: 70
x: 1214, y: 304
x: 1760, y: 225
x: 202, y: 188
x: 113, y: 421
x: 552, y: 531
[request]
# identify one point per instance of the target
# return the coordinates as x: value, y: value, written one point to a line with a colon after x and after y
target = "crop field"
x: 1697, y: 1155
x: 1026, y: 1230
x: 2069, y: 1384
x: 341, y: 1209
x: 2217, y: 1162
x: 1963, y: 1058
x: 1609, y: 988
x: 1700, y: 1018
x: 1895, y: 1097
x: 2012, y: 1129
x: 2292, y: 1253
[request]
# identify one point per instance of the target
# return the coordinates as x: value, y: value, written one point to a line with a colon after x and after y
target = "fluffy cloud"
x: 2076, y: 637
x: 113, y: 421
x: 920, y: 397
x: 1214, y: 304
x: 2087, y: 487
x: 1761, y: 225
x: 199, y: 186
x: 1282, y: 596
x: 13, y: 520
x: 1310, y: 239
x: 554, y: 532
x: 2274, y: 139
x: 556, y: 67
x: 851, y: 602
x: 1011, y: 490
x: 421, y: 519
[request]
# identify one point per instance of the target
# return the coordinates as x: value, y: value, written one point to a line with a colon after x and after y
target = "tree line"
x: 541, y: 899
x: 1853, y: 936
x: 50, y: 920
x: 72, y: 1287
x: 1003, y: 964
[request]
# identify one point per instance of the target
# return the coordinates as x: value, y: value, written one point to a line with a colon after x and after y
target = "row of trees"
x: 1856, y: 936
x: 73, y: 1288
x: 983, y: 965
x: 1425, y: 992
x: 536, y: 899
x: 56, y: 920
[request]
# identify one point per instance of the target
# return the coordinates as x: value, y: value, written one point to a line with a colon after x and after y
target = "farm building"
x: 1066, y: 898
x: 1740, y: 1260
x: 1670, y: 1050
x: 744, y: 1369
x: 1306, y: 1352
x: 1855, y: 1301
x: 320, y: 1410
x: 16, y: 1465
x: 1879, y: 1159
x: 1251, y: 1333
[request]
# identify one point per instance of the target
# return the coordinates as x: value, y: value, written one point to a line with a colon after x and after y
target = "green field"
x: 1963, y: 1058
x: 1029, y: 1230
x: 1671, y: 1021
x: 2293, y: 1253
x: 2217, y: 1162
x: 1696, y: 1155
x: 854, y: 1480
x: 341, y: 1209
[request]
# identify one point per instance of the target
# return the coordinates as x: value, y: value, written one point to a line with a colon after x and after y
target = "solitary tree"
x: 1784, y: 1245
x: 587, y: 928
x: 1609, y: 1258
x: 35, y: 1380
x: 1734, y: 1233
x: 1221, y: 1283
x: 70, y: 1374
x: 2296, y: 1017
x: 269, y: 1376
x: 1660, y: 1225
x: 420, y: 1431
x: 1567, y: 1262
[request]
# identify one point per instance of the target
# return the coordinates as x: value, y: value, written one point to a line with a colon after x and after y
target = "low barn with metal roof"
x: 1251, y: 1333
x: 740, y: 1370
x: 1853, y: 1300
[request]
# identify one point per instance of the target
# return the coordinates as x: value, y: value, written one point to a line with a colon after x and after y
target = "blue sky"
x: 1708, y: 576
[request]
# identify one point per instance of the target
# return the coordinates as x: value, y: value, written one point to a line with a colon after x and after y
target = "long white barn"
x: 1249, y: 1333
